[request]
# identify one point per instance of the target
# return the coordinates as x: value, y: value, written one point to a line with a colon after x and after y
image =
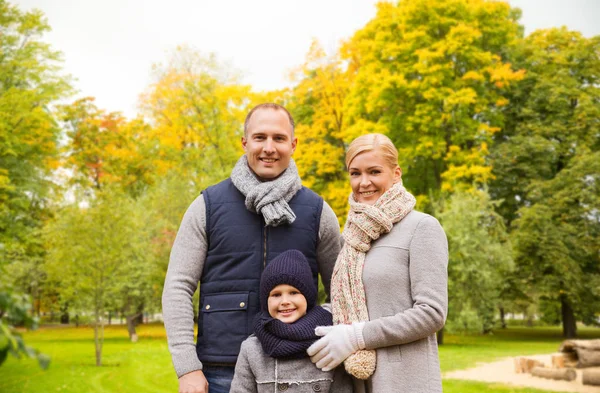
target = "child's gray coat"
x: 256, y: 372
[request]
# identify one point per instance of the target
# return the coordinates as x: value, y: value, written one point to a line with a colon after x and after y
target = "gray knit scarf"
x: 269, y: 198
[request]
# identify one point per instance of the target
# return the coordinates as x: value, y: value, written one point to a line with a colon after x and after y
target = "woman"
x: 389, y: 286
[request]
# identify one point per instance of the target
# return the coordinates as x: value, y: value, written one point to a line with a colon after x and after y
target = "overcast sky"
x: 109, y: 46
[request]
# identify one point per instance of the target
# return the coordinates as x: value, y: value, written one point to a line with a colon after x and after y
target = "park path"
x: 503, y: 371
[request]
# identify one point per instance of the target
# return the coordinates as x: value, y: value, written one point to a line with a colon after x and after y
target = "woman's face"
x: 371, y: 176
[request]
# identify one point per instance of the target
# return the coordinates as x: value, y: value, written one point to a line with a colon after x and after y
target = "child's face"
x: 286, y: 303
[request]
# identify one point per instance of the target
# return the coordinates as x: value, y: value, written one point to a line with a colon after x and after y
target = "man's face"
x: 269, y: 144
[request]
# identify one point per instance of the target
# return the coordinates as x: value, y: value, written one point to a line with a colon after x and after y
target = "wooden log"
x: 524, y: 365
x: 564, y: 360
x: 591, y: 377
x: 559, y: 374
x: 587, y: 358
x: 558, y: 361
x: 518, y: 368
x: 530, y: 364
x: 570, y: 345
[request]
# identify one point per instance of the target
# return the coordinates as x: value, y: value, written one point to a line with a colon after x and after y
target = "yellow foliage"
x: 502, y: 102
x: 197, y: 110
x: 473, y: 75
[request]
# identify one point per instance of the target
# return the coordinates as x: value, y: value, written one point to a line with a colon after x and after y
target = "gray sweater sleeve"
x: 185, y: 269
x: 329, y: 246
x: 428, y: 253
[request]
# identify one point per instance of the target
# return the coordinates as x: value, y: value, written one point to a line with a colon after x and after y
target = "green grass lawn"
x: 145, y: 366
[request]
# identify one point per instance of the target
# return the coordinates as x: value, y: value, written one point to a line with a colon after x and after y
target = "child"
x: 275, y: 358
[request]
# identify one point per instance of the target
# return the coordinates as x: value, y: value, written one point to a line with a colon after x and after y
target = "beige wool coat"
x: 406, y: 287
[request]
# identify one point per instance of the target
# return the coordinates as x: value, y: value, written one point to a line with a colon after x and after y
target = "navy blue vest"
x: 239, y: 247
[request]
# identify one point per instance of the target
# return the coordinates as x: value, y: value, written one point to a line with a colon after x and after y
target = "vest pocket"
x: 225, y: 320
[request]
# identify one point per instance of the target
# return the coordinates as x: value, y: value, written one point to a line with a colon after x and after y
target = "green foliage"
x: 557, y: 237
x: 480, y: 257
x: 30, y: 83
x: 15, y: 310
x: 546, y: 162
x: 551, y: 114
x: 550, y: 311
x: 89, y: 248
x: 163, y: 206
x: 97, y: 253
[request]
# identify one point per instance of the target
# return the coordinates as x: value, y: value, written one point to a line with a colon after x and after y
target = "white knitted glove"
x: 337, y: 344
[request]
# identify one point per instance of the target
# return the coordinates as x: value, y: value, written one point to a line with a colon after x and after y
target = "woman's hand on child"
x: 337, y: 344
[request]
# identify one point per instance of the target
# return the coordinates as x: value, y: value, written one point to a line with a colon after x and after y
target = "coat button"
x: 242, y: 304
x: 316, y: 387
x: 282, y: 387
x: 207, y: 307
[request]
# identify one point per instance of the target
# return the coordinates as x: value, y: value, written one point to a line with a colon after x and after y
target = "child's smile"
x: 286, y: 303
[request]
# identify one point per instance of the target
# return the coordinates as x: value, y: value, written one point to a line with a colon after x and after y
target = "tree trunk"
x: 440, y: 336
x: 38, y: 304
x: 131, y: 324
x: 64, y: 318
x: 529, y: 320
x: 502, y: 319
x: 64, y: 314
x: 568, y: 318
x: 140, y: 314
x: 98, y: 337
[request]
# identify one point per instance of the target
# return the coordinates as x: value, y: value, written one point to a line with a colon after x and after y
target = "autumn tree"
x: 432, y: 75
x: 545, y: 161
x: 317, y: 103
x: 105, y: 152
x: 105, y: 149
x: 30, y: 82
x: 196, y: 108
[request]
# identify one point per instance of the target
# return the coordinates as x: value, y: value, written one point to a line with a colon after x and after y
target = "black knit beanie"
x: 291, y: 268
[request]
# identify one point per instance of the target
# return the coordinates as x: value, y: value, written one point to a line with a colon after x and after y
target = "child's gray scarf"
x: 269, y: 198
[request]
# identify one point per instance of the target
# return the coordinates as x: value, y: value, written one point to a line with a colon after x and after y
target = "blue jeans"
x: 219, y: 378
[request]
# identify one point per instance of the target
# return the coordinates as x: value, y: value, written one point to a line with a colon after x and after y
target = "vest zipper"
x: 265, y: 248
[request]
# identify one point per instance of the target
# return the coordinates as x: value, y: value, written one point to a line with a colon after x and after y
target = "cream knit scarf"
x: 269, y: 198
x: 365, y: 223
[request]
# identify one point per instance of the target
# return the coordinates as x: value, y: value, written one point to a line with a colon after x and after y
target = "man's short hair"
x: 272, y: 106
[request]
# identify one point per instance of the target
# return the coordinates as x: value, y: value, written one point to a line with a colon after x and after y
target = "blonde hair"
x: 371, y: 142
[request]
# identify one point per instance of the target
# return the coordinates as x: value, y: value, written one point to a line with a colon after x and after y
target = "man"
x: 226, y: 238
